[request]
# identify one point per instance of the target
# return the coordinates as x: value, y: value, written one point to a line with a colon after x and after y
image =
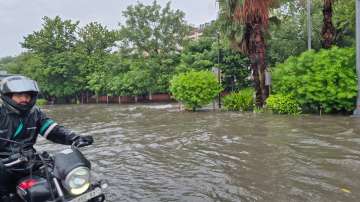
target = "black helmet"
x: 18, y: 84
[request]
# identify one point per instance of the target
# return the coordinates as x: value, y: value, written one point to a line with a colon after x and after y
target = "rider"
x: 22, y: 121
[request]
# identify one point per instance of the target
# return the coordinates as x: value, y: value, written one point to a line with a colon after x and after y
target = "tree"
x: 249, y: 18
x: 56, y: 36
x: 156, y: 35
x: 25, y: 64
x: 54, y: 45
x: 235, y: 68
x: 328, y: 31
x: 197, y: 55
x: 95, y: 44
x: 136, y: 80
x: 345, y: 22
x: 202, y: 54
x: 5, y: 61
x: 72, y: 60
x: 151, y: 30
x: 288, y: 35
x: 96, y: 39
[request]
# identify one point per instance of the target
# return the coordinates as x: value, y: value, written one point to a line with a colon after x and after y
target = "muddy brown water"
x: 157, y: 153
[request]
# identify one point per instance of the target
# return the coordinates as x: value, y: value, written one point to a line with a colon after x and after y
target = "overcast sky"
x: 19, y: 18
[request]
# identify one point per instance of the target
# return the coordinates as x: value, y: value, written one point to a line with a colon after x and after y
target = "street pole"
x: 309, y: 23
x: 219, y: 71
x: 357, y: 109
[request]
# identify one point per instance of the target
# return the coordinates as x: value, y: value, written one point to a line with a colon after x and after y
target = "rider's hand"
x: 82, y: 141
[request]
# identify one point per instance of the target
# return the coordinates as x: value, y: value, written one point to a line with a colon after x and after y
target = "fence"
x: 104, y: 99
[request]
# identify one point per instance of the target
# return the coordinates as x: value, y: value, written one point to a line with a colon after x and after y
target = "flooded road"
x: 156, y: 153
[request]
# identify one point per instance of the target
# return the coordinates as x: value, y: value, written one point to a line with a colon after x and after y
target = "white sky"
x: 19, y: 18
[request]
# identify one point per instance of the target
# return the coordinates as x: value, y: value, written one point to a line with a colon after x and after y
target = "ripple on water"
x: 156, y: 153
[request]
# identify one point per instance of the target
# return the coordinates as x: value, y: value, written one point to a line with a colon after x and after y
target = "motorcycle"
x: 62, y: 177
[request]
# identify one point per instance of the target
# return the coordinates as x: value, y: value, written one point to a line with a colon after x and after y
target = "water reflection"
x: 156, y: 153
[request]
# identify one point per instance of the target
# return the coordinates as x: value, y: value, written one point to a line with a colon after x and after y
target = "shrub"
x: 283, y: 104
x: 41, y: 102
x: 195, y: 88
x: 240, y: 101
x: 325, y: 79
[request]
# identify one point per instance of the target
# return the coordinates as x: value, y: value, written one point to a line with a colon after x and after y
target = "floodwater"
x: 158, y: 153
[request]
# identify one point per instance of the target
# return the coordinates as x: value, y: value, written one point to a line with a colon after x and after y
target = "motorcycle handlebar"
x: 15, y: 162
x: 18, y: 158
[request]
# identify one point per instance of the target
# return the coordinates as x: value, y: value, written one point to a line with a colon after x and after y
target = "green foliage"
x: 152, y: 45
x: 94, y: 45
x: 152, y: 30
x: 283, y: 104
x: 195, y: 88
x: 57, y: 64
x: 235, y: 69
x: 202, y: 54
x: 197, y: 55
x: 152, y: 37
x: 211, y: 29
x: 259, y: 110
x: 237, y: 30
x: 104, y: 68
x: 344, y: 22
x: 5, y: 61
x: 240, y: 101
x: 136, y: 81
x: 96, y: 39
x: 324, y: 79
x: 56, y: 36
x: 25, y: 63
x: 68, y: 60
x: 97, y: 82
x: 64, y: 59
x: 41, y: 102
x: 288, y: 38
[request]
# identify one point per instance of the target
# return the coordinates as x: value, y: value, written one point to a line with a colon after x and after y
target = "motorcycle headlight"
x: 78, y: 180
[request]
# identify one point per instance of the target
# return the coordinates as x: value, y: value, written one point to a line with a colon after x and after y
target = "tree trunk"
x: 258, y: 65
x: 328, y: 30
x: 256, y: 78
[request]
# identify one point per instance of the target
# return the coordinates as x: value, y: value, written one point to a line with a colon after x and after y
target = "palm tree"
x: 328, y: 30
x: 251, y: 19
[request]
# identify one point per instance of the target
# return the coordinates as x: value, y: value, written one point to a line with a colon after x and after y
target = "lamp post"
x: 219, y: 71
x: 309, y: 23
x: 357, y: 109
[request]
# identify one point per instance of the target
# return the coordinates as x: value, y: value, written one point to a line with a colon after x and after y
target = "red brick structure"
x: 103, y: 99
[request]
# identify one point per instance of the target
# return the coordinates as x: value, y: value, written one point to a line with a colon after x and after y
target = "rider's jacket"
x: 26, y: 128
